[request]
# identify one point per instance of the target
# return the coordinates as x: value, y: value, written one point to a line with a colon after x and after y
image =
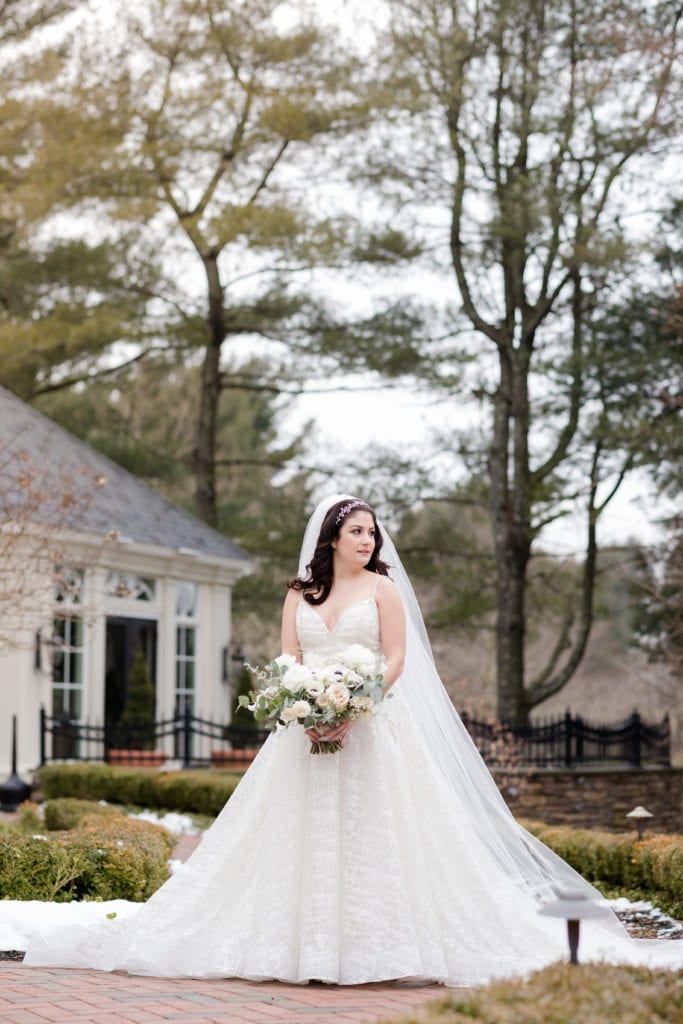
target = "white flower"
x: 271, y: 691
x: 285, y: 660
x: 288, y: 714
x: 338, y: 696
x: 315, y: 688
x: 313, y: 660
x: 360, y: 659
x: 332, y: 673
x: 363, y: 704
x: 296, y: 678
x: 323, y: 701
x: 301, y: 708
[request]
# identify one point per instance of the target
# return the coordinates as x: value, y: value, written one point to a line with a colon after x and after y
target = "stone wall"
x: 595, y: 797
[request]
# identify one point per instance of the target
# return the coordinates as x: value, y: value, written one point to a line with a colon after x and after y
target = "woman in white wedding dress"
x: 394, y: 858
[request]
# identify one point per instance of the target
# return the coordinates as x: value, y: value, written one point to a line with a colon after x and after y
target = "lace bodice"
x: 358, y: 624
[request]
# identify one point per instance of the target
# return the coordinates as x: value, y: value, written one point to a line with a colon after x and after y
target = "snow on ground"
x: 641, y: 918
x: 20, y: 920
x: 178, y: 824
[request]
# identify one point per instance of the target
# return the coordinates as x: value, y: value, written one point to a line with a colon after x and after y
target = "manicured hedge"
x: 563, y: 994
x: 651, y: 867
x: 67, y: 813
x: 204, y: 792
x: 108, y: 856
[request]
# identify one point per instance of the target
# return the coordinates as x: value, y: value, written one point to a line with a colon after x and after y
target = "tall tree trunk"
x: 511, y: 519
x: 205, y: 447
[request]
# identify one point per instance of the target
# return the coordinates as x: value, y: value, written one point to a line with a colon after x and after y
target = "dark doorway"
x: 125, y: 638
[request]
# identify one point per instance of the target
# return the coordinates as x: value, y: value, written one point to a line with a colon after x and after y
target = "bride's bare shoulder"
x: 385, y: 588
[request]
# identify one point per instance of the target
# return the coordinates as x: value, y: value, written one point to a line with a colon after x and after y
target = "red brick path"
x: 37, y: 995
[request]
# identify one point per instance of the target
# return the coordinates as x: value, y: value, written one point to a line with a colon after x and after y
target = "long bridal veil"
x: 526, y: 862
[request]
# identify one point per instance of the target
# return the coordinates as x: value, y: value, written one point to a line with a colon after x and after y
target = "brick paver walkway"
x: 37, y: 995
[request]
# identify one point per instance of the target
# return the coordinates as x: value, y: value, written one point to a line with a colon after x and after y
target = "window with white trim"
x: 67, y: 670
x: 187, y: 624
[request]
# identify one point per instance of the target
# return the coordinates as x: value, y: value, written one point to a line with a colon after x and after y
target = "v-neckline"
x: 348, y: 608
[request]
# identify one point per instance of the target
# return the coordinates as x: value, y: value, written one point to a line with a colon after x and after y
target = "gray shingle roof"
x: 123, y: 503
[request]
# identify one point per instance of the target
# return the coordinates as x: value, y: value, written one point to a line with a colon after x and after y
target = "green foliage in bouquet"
x: 317, y: 693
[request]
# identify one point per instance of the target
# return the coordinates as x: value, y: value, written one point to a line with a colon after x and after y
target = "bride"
x: 394, y: 858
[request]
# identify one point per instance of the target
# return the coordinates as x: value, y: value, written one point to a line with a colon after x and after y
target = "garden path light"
x: 574, y: 907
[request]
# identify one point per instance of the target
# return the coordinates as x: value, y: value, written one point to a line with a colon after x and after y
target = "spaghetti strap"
x: 374, y: 589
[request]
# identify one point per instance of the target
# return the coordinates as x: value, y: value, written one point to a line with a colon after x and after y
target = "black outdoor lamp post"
x: 14, y: 790
x: 640, y: 816
x: 573, y: 907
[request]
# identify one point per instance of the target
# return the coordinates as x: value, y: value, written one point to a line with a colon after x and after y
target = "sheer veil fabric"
x: 396, y: 857
x: 526, y: 862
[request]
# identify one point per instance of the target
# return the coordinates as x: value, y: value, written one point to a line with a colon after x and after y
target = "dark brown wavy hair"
x: 317, y: 582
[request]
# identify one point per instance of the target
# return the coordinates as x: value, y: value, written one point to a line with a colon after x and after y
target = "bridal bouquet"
x: 318, y: 692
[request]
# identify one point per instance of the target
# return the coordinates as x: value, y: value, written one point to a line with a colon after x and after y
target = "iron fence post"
x: 567, y: 739
x: 187, y: 735
x: 578, y: 723
x: 43, y: 727
x: 635, y: 740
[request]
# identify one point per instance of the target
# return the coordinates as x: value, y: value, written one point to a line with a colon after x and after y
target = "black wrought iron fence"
x: 570, y: 740
x: 195, y: 741
x: 185, y: 738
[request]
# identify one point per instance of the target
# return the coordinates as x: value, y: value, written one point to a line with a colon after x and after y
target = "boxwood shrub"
x: 204, y: 792
x: 651, y: 868
x: 67, y: 813
x: 108, y: 856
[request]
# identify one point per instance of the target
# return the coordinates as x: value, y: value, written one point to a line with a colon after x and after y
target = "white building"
x: 134, y: 573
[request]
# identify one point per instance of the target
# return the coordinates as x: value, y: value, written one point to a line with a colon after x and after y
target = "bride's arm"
x: 392, y: 629
x: 289, y: 637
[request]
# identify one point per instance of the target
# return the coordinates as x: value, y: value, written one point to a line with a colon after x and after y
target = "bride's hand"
x: 329, y: 733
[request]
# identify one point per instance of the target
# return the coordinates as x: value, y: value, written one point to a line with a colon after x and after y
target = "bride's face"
x: 356, y: 541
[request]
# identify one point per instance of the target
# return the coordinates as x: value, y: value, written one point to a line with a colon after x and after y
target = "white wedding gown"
x: 351, y: 867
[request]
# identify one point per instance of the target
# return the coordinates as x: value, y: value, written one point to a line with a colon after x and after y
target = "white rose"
x: 288, y: 714
x: 338, y: 696
x: 315, y: 688
x: 296, y: 678
x: 285, y: 660
x: 363, y: 706
x: 360, y: 659
x: 323, y: 701
x: 300, y: 708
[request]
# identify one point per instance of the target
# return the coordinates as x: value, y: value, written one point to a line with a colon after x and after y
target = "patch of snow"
x: 20, y: 920
x: 177, y: 824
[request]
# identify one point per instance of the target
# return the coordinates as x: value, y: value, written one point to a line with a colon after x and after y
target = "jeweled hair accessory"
x: 345, y: 509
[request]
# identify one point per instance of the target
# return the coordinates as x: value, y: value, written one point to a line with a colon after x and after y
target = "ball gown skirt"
x: 347, y: 868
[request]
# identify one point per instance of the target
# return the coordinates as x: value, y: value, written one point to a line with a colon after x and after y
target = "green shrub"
x: 67, y: 812
x: 651, y: 868
x: 36, y: 868
x: 106, y: 857
x: 29, y: 820
x: 563, y: 994
x: 205, y: 792
x: 125, y: 859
